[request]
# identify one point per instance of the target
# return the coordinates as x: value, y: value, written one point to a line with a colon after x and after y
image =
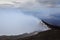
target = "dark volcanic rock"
x: 46, y: 35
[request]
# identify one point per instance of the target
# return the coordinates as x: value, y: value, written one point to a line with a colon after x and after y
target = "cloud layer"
x: 31, y: 4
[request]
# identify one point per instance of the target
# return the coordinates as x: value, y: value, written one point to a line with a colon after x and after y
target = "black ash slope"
x: 51, y: 26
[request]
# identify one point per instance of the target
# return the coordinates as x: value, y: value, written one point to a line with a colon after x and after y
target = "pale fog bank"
x: 14, y: 22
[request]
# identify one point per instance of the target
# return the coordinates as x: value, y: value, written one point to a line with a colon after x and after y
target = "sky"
x: 20, y: 16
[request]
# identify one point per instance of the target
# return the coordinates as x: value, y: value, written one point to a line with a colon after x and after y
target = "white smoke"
x: 13, y: 22
x: 21, y: 23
